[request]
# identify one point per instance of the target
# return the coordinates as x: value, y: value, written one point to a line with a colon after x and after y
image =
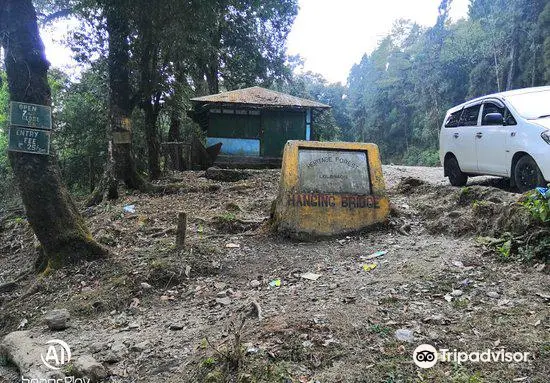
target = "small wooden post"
x: 182, y: 227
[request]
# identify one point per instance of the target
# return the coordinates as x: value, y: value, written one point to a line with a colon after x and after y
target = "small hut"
x: 254, y: 124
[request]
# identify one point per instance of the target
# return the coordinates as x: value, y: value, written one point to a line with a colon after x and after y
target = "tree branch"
x: 45, y: 19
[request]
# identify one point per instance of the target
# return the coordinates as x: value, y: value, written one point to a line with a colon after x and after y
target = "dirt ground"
x: 152, y: 313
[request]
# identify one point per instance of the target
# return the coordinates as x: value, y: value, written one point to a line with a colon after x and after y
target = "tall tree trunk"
x: 120, y: 163
x: 121, y: 104
x: 512, y: 69
x: 211, y: 72
x: 497, y: 74
x: 150, y: 103
x: 153, y: 145
x: 51, y: 212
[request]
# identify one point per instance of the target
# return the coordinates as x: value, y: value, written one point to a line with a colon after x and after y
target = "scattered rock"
x: 133, y: 325
x: 111, y: 358
x: 220, y: 285
x: 24, y: 352
x: 436, y: 319
x: 226, y: 301
x: 97, y: 347
x: 7, y: 287
x: 225, y: 293
x: 56, y: 320
x: 457, y: 293
x: 176, y: 327
x: 146, y: 286
x: 493, y: 294
x: 119, y: 349
x: 458, y: 264
x: 311, y: 276
x: 140, y: 347
x: 255, y: 283
x: 86, y: 366
x: 226, y: 175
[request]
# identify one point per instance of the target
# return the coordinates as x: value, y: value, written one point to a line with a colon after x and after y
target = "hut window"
x: 228, y: 111
x: 240, y: 111
x: 215, y: 110
x: 254, y: 112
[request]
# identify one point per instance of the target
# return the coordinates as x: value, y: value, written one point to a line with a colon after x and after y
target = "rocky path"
x: 153, y: 314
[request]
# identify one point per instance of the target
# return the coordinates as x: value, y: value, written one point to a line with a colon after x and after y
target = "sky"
x: 330, y: 36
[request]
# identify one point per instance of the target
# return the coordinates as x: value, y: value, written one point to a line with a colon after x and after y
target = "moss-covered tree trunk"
x: 51, y: 212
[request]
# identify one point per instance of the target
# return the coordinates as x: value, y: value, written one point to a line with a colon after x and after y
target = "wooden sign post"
x: 330, y: 188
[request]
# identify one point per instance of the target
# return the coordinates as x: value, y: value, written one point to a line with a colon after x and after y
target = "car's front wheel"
x: 527, y: 174
x: 456, y: 177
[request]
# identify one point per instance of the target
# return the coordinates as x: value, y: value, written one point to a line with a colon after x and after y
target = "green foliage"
x: 538, y: 206
x: 505, y: 249
x: 327, y: 125
x: 418, y: 157
x: 80, y: 114
x: 399, y: 94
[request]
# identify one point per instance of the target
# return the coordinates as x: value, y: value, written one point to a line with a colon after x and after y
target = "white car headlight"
x: 546, y: 136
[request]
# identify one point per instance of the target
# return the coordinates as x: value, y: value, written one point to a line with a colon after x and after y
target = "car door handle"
x: 479, y: 135
x: 455, y: 135
x: 513, y: 134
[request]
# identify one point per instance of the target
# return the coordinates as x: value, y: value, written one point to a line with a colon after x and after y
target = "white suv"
x: 504, y: 134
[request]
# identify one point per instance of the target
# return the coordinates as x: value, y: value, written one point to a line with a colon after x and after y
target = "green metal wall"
x: 278, y: 128
x: 234, y: 126
x: 273, y: 128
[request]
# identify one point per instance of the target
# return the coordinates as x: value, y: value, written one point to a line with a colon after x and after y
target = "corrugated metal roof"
x: 260, y: 97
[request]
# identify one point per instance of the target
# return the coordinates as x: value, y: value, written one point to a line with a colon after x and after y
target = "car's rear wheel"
x: 527, y: 174
x: 456, y: 177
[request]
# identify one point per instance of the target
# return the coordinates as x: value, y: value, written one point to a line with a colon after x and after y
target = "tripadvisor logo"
x: 427, y: 356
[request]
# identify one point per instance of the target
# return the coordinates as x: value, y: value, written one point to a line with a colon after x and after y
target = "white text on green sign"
x: 29, y: 140
x: 30, y: 115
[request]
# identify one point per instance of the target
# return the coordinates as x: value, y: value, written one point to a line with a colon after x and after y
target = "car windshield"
x: 531, y: 105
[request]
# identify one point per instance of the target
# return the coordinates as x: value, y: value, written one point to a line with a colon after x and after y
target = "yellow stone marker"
x: 330, y: 188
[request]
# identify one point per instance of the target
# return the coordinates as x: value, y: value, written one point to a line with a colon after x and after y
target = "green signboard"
x: 31, y: 115
x: 29, y: 140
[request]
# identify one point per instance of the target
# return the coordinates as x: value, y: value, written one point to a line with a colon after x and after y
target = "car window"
x: 491, y: 107
x: 469, y: 116
x: 452, y: 120
x: 508, y: 118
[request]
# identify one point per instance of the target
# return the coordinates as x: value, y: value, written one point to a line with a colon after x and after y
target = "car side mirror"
x: 493, y: 119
